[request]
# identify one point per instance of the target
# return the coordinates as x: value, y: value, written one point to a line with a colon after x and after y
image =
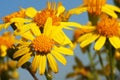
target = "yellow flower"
x: 96, y: 7
x: 46, y: 45
x: 40, y: 17
x: 8, y: 19
x: 6, y: 41
x: 106, y: 28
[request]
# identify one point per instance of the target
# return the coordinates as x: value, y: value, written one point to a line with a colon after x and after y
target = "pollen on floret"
x: 94, y: 6
x: 20, y: 14
x: 42, y: 44
x: 7, y: 40
x: 108, y: 27
x: 41, y: 17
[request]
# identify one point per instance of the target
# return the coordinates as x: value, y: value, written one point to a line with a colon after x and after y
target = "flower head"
x: 106, y: 28
x: 96, y: 7
x: 45, y: 45
x: 6, y: 41
x: 58, y: 15
x: 8, y: 19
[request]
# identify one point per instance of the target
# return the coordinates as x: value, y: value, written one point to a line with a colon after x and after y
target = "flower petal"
x: 100, y: 42
x: 84, y: 37
x: 115, y: 41
x: 31, y: 12
x: 109, y: 12
x: 60, y: 10
x: 59, y: 57
x: 112, y: 7
x: 27, y: 35
x: 35, y: 29
x: 35, y: 63
x: 91, y: 38
x: 21, y: 52
x: 72, y: 24
x: 52, y: 63
x: 3, y: 51
x: 42, y: 64
x: 24, y: 59
x: 48, y: 26
x: 63, y: 50
x: 78, y: 10
x: 20, y: 20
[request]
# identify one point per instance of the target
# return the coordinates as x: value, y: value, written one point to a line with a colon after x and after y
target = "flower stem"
x: 32, y: 74
x: 92, y: 65
x: 47, y: 75
x: 111, y: 51
x: 101, y: 63
x: 111, y: 62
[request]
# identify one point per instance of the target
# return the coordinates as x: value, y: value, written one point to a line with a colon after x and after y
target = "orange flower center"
x: 108, y: 27
x: 43, y: 44
x: 7, y: 40
x: 20, y: 14
x: 94, y: 6
x: 42, y: 16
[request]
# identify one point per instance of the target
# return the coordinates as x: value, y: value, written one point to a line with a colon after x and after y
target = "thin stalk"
x: 47, y: 75
x: 111, y: 62
x: 102, y: 65
x: 32, y: 74
x: 92, y: 65
x: 111, y: 51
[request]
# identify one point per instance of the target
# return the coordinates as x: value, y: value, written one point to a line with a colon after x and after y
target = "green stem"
x: 111, y: 62
x: 111, y: 52
x: 47, y: 75
x: 93, y: 19
x: 101, y: 63
x: 92, y: 65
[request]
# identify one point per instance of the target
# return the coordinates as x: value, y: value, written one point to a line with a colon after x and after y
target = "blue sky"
x: 9, y: 6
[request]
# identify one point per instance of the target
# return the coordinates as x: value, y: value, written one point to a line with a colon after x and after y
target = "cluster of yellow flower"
x: 42, y: 37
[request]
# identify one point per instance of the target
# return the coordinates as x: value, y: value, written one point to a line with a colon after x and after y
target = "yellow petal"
x: 1, y: 26
x: 6, y: 25
x: 84, y: 37
x: 89, y: 40
x: 60, y: 10
x: 112, y: 7
x: 78, y: 10
x: 52, y: 62
x: 59, y: 57
x: 21, y: 52
x: 115, y: 41
x: 3, y: 51
x: 100, y: 42
x: 20, y: 20
x: 63, y: 50
x: 42, y: 64
x: 21, y: 28
x: 24, y: 59
x: 72, y: 24
x: 31, y: 12
x: 61, y: 38
x: 35, y: 29
x: 48, y: 26
x: 35, y: 63
x: 109, y: 12
x: 27, y: 35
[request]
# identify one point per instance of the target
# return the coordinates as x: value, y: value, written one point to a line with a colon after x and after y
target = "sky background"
x: 10, y: 6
